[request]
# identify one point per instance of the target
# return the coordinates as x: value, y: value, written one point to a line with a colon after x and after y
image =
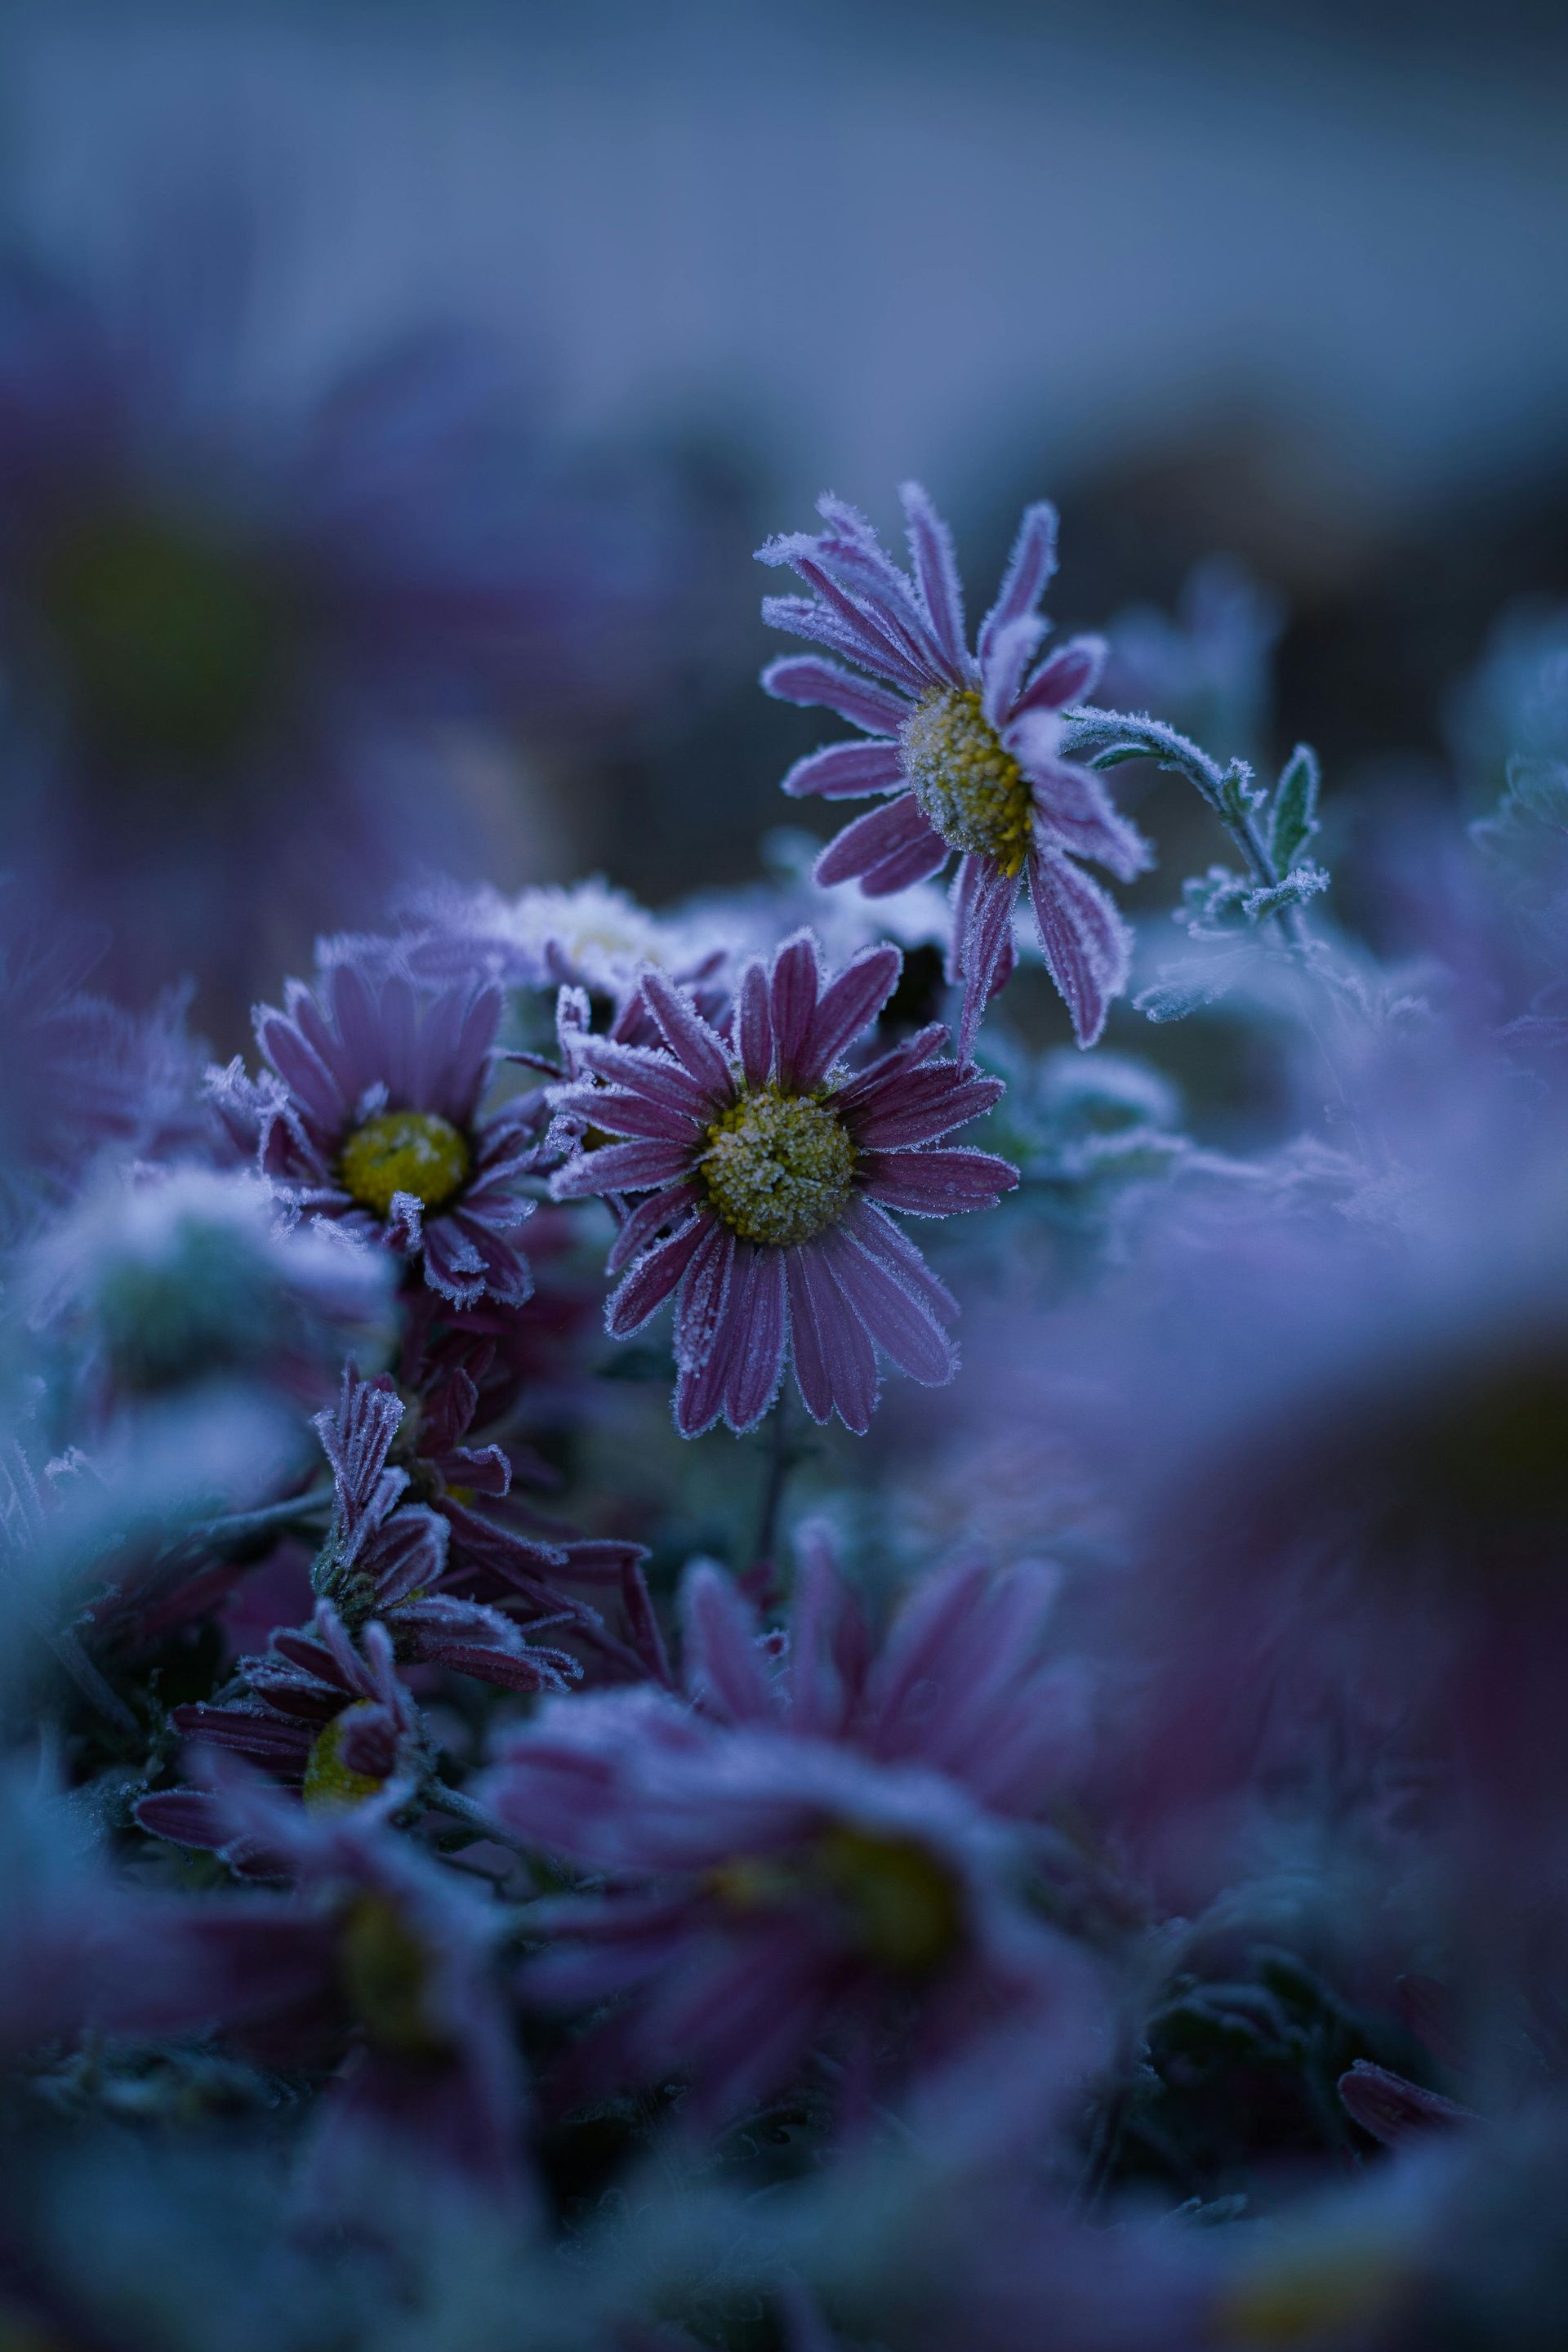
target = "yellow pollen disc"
x: 896, y: 1901
x: 328, y: 1780
x: 779, y: 1167
x: 968, y: 784
x: 1317, y: 2289
x: 416, y: 1151
x: 907, y: 1907
x: 384, y: 1970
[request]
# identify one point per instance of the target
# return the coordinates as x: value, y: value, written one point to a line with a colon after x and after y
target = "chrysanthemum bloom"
x: 968, y: 746
x: 324, y: 1708
x: 371, y: 1112
x: 386, y: 1557
x: 161, y: 1278
x: 376, y: 1952
x: 321, y: 1712
x: 771, y: 1169
x: 811, y: 1854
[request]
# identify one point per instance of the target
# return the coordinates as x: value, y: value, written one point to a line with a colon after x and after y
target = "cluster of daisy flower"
x: 1074, y: 1859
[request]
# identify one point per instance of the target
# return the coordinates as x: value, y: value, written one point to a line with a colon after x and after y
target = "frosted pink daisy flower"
x: 967, y: 747
x: 815, y: 1853
x: 770, y: 1170
x: 372, y: 1111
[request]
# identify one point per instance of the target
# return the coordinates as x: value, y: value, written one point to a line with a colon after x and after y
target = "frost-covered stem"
x: 1106, y: 738
x: 782, y: 1455
x: 442, y: 1799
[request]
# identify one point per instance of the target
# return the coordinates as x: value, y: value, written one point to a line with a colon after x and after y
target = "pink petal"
x: 689, y: 1038
x: 651, y: 1280
x: 918, y: 1106
x: 844, y: 771
x: 1009, y: 656
x: 700, y: 1308
x: 796, y: 981
x: 1089, y: 949
x: 301, y: 1068
x: 622, y: 1167
x: 883, y: 833
x: 724, y: 1666
x: 930, y: 550
x: 1067, y: 677
x: 811, y: 1377
x: 616, y: 1111
x: 985, y: 946
x: 916, y: 863
x: 849, y: 1005
x: 1073, y: 807
x: 806, y: 678
x: 1031, y: 564
x: 645, y: 1071
x: 848, y: 1360
x: 936, y: 1183
x: 895, y: 1319
x: 762, y: 1326
x: 877, y: 1234
x: 649, y: 1218
x: 755, y: 1025
x: 699, y: 1389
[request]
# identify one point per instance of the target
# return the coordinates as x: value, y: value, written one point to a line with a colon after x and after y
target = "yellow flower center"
x: 779, y: 1167
x: 899, y: 1904
x: 416, y: 1151
x: 1315, y: 2288
x: 176, y: 648
x: 328, y: 1780
x: 969, y: 785
x: 384, y: 1970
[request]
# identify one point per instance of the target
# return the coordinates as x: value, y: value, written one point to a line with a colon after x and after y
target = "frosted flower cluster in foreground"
x: 1064, y: 1849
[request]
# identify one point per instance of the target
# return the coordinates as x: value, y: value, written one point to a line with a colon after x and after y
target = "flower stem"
x: 783, y: 1452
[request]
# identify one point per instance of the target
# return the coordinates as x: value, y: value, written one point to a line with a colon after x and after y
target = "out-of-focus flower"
x: 246, y: 639
x: 589, y: 934
x: 775, y: 1168
x: 159, y: 1279
x: 371, y: 1112
x: 967, y: 745
x: 377, y: 1951
x: 756, y: 918
x: 78, y: 1078
x: 815, y: 1850
x: 322, y: 1713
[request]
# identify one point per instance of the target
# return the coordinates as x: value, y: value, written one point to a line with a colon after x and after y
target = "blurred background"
x: 392, y: 396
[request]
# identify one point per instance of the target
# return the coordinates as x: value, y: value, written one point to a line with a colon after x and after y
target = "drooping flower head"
x: 372, y: 1113
x: 966, y: 747
x: 770, y: 1169
x: 807, y: 1852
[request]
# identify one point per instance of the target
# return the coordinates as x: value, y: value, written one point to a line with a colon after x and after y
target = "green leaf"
x: 1294, y: 820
